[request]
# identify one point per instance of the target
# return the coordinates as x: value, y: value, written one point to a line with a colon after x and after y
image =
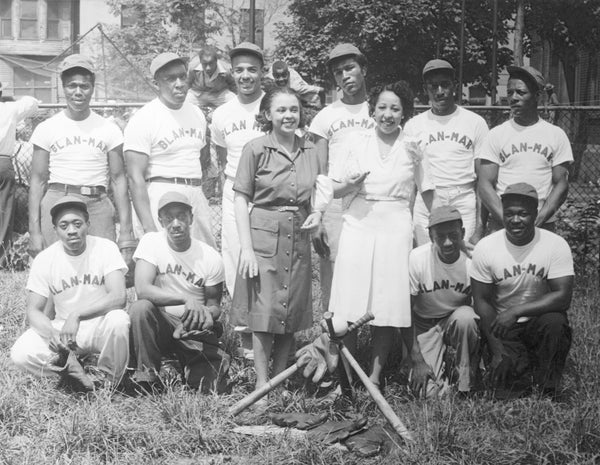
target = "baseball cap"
x: 437, y: 64
x: 279, y: 67
x: 521, y: 188
x: 76, y: 61
x: 247, y: 48
x: 173, y: 197
x: 529, y: 74
x: 162, y: 60
x: 68, y: 201
x: 443, y: 214
x: 342, y: 50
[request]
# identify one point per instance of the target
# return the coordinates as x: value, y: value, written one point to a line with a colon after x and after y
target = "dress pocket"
x: 264, y: 234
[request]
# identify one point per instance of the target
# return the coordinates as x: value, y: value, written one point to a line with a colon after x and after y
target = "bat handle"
x: 361, y: 321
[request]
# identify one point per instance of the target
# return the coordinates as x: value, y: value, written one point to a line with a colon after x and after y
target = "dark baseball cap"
x: 342, y: 50
x: 443, y: 214
x: 247, y: 48
x: 437, y: 65
x: 527, y: 74
x: 164, y: 59
x: 521, y: 188
x: 66, y: 202
x: 173, y: 197
x: 76, y: 61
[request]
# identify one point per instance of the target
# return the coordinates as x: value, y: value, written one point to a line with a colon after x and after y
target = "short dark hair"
x: 358, y: 57
x: 208, y: 50
x: 77, y: 70
x: 402, y: 90
x: 265, y: 105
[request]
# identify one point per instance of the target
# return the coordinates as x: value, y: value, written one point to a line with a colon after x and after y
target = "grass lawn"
x: 40, y: 424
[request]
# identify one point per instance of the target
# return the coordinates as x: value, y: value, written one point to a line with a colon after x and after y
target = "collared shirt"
x: 270, y: 176
x: 202, y: 82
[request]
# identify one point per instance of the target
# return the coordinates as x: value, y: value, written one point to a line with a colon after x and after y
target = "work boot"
x: 71, y: 371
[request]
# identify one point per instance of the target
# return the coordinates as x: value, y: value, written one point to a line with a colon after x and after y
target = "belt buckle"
x: 86, y: 190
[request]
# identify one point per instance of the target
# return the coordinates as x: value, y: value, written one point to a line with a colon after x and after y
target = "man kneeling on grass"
x: 85, y: 277
x: 179, y: 283
x: 522, y: 281
x: 442, y: 315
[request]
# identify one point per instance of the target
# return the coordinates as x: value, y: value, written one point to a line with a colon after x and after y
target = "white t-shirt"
x: 233, y: 125
x: 78, y: 150
x: 451, y: 143
x: 74, y: 282
x: 172, y: 139
x: 10, y: 114
x: 439, y: 288
x: 520, y: 274
x: 334, y: 123
x: 527, y: 154
x: 182, y: 273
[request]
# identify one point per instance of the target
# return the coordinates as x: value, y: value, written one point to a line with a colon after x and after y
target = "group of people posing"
x: 396, y: 207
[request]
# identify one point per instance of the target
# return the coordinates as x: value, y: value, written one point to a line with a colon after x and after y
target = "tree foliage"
x: 397, y: 36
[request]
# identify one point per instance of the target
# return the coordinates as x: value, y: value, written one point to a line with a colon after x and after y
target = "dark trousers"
x: 7, y: 201
x: 538, y: 349
x: 204, y: 363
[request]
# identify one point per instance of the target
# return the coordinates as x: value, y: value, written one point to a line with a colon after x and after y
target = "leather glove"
x: 369, y: 442
x: 68, y: 368
x: 198, y: 334
x: 318, y: 357
x: 336, y: 431
x: 301, y: 421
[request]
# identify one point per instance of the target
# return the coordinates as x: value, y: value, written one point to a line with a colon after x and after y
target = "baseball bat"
x: 285, y: 374
x: 374, y: 392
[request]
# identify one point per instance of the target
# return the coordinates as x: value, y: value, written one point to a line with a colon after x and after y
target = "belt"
x: 90, y: 191
x: 186, y: 181
x: 460, y: 187
x: 280, y: 208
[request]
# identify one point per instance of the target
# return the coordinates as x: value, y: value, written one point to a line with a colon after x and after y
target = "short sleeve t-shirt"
x: 334, y: 123
x: 172, y: 139
x: 182, y: 273
x: 233, y: 126
x: 78, y: 150
x: 10, y: 114
x: 74, y: 281
x: 527, y: 154
x: 520, y: 274
x: 451, y: 143
x: 439, y: 288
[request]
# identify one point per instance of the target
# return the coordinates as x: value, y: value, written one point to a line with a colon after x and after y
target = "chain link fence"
x: 579, y: 217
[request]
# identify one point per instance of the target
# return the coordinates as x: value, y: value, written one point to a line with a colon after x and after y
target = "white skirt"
x: 371, y: 269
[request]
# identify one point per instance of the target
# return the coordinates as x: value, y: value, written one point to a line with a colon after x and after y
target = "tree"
x: 397, y: 36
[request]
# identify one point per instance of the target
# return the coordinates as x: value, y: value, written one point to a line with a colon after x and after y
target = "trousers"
x: 107, y: 335
x: 204, y: 363
x: 7, y: 202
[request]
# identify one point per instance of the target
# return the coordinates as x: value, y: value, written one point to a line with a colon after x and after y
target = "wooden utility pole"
x: 252, y: 22
x: 519, y: 31
x: 494, y: 83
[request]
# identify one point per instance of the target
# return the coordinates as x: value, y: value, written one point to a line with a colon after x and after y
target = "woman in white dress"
x: 377, y: 181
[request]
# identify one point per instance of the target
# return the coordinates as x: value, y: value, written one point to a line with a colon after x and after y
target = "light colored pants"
x: 100, y: 209
x: 458, y: 330
x: 462, y: 198
x: 332, y: 222
x: 201, y: 226
x: 230, y: 240
x: 209, y: 99
x: 107, y: 336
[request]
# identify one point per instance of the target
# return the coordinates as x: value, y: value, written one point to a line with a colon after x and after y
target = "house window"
x: 28, y: 83
x: 28, y: 19
x: 5, y: 18
x: 59, y: 12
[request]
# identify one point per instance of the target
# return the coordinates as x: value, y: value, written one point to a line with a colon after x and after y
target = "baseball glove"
x: 318, y: 357
x: 301, y: 421
x: 369, y: 442
x: 336, y: 431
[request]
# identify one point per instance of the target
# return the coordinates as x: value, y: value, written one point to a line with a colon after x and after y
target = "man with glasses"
x: 451, y: 137
x: 163, y: 141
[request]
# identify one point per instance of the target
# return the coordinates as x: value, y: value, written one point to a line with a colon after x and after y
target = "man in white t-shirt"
x: 179, y: 284
x: 525, y: 149
x: 329, y: 130
x: 442, y: 315
x: 76, y: 152
x: 162, y: 148
x: 522, y: 283
x: 10, y: 114
x: 451, y: 137
x: 209, y: 80
x: 233, y: 125
x: 85, y: 276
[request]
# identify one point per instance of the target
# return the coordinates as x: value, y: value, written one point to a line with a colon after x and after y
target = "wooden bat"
x: 251, y: 398
x: 382, y: 404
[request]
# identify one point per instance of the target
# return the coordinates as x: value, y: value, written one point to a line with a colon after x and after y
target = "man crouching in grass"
x: 179, y: 283
x: 85, y: 278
